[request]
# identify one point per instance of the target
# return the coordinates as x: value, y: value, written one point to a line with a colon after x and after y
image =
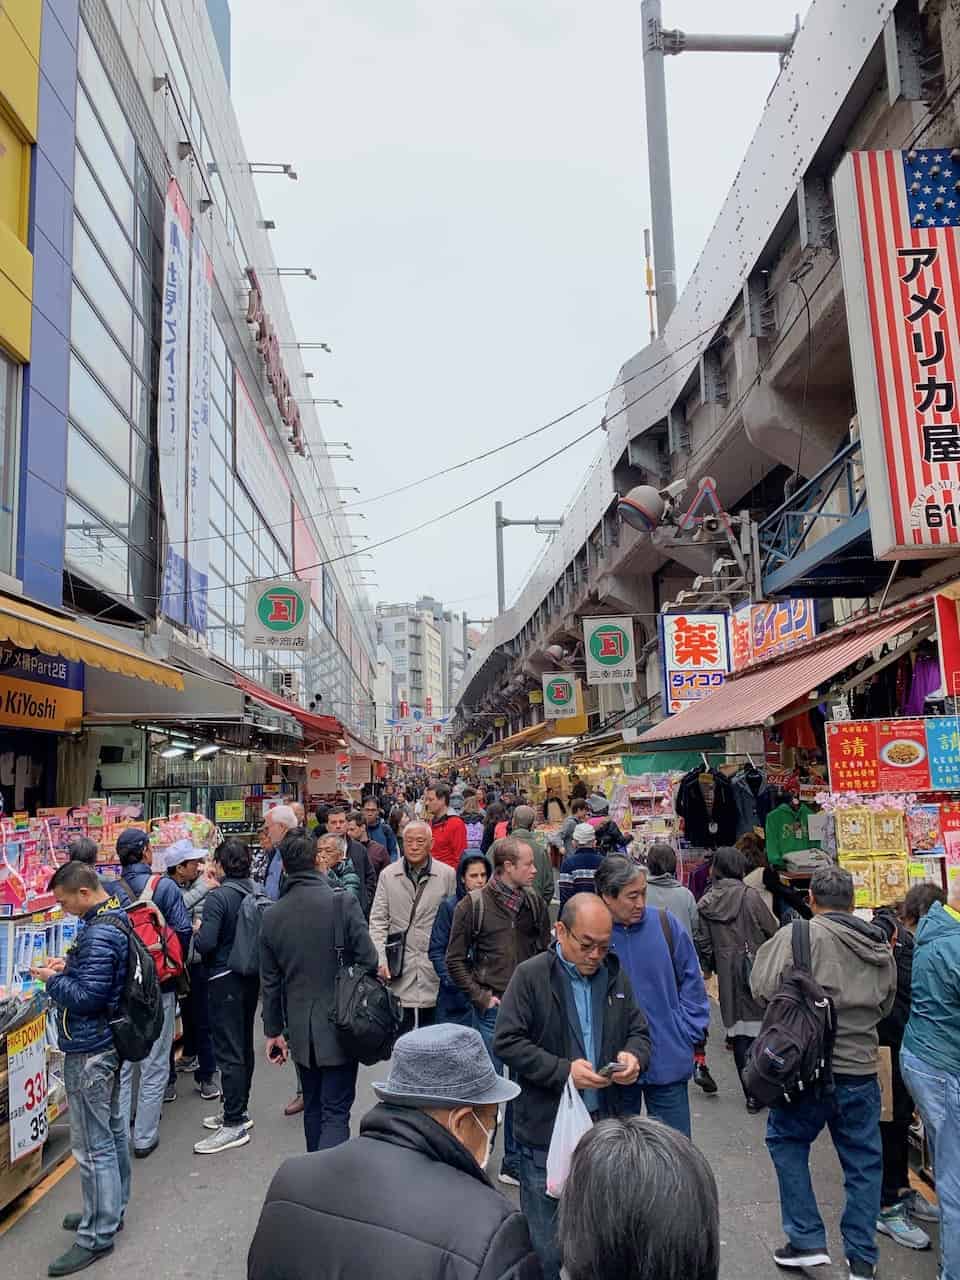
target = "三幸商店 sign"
x: 277, y: 615
x: 901, y: 755
x: 898, y: 224
x: 38, y: 691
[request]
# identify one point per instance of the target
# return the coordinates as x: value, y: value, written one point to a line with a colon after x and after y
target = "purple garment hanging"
x: 926, y: 680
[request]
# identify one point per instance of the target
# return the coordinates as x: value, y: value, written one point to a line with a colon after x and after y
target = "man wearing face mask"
x: 426, y: 1210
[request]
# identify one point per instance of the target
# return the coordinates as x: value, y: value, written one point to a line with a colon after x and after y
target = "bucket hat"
x: 443, y: 1066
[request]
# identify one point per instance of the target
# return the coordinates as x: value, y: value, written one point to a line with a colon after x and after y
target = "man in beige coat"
x: 409, y: 893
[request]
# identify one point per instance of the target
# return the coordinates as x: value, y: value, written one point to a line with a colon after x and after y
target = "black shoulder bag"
x: 395, y: 948
x: 366, y: 1014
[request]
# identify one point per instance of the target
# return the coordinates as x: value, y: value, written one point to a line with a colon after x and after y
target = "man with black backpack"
x: 86, y: 988
x: 847, y: 984
x: 159, y: 915
x: 494, y: 929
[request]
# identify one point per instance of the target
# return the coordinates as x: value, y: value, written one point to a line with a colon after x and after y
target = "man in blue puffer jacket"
x: 86, y: 987
x: 133, y: 852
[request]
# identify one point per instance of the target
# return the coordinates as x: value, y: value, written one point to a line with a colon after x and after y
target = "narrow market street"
x: 197, y: 1215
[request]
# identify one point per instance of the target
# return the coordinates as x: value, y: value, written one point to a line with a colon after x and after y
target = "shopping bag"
x: 572, y: 1122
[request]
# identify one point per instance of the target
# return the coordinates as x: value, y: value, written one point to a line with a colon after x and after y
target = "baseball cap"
x: 443, y: 1066
x: 182, y: 851
x: 132, y: 838
x: 584, y: 834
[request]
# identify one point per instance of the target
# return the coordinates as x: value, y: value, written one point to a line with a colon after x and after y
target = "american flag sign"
x: 898, y: 221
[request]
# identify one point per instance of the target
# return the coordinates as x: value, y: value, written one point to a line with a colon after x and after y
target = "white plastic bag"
x: 572, y: 1122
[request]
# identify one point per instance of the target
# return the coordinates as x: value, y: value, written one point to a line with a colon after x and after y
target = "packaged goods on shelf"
x: 889, y: 831
x: 890, y: 881
x: 853, y: 831
x: 861, y: 869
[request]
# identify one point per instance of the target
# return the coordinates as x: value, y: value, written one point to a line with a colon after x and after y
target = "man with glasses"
x: 568, y: 1013
x: 276, y: 823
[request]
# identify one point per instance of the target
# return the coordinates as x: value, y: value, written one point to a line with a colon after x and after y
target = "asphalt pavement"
x: 194, y: 1216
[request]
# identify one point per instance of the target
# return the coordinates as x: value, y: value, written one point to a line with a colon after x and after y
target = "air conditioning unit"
x: 286, y: 684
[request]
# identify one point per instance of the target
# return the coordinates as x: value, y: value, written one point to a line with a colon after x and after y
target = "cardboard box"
x: 20, y: 1177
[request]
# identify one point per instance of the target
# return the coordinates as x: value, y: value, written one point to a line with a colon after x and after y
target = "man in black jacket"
x: 357, y: 853
x: 407, y: 1199
x: 568, y: 1013
x: 298, y: 970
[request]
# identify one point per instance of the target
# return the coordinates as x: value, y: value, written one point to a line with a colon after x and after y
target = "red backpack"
x: 151, y: 928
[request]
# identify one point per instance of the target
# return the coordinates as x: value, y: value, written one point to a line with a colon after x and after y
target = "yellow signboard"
x: 229, y: 811
x: 27, y: 704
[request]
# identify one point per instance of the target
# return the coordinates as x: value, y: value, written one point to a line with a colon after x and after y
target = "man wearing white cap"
x: 184, y: 865
x: 578, y: 868
x: 408, y: 1198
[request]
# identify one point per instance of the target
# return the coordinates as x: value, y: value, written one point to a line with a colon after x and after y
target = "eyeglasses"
x: 588, y: 946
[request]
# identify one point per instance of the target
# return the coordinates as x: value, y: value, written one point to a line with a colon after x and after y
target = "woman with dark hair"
x: 494, y: 815
x: 734, y: 922
x: 232, y: 996
x: 640, y: 1201
x: 397, y: 819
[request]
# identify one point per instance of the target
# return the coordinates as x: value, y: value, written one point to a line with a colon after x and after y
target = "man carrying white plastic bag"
x: 571, y: 1033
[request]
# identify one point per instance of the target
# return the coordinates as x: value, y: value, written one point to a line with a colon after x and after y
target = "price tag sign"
x: 229, y: 811
x: 27, y: 1077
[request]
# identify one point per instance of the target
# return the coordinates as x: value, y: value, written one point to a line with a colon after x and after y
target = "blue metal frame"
x: 785, y: 555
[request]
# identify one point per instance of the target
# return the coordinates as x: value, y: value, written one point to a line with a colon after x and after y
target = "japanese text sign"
x: 559, y: 696
x: 172, y: 398
x: 900, y: 755
x: 852, y: 756
x: 277, y: 614
x: 762, y: 631
x: 897, y: 221
x: 609, y: 648
x: 27, y: 1080
x: 696, y: 657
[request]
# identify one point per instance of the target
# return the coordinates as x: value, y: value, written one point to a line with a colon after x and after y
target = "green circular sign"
x: 609, y: 645
x: 560, y: 692
x: 280, y: 609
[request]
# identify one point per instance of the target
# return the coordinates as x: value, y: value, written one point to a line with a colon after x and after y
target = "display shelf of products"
x: 47, y: 1143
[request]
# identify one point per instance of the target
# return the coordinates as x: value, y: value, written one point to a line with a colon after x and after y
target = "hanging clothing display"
x: 706, y: 802
x: 926, y: 681
x: 754, y: 799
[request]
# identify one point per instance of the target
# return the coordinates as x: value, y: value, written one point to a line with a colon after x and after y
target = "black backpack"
x: 137, y: 1020
x: 366, y: 1014
x: 244, y: 957
x: 791, y: 1059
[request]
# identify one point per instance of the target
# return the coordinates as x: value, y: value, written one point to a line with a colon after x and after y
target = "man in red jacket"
x: 449, y: 832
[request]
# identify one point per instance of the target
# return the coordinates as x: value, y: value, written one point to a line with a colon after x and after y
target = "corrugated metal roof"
x: 750, y: 699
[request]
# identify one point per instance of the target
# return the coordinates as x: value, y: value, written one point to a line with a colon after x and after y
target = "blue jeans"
x: 154, y: 1074
x: 486, y: 1024
x: 937, y: 1095
x: 668, y: 1103
x: 539, y: 1209
x: 328, y: 1094
x: 100, y: 1141
x: 852, y: 1114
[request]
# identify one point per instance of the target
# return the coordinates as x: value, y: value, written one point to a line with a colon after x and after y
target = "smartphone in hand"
x: 610, y: 1068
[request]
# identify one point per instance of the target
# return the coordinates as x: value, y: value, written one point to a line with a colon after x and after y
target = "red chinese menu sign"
x: 852, y: 756
x: 897, y: 755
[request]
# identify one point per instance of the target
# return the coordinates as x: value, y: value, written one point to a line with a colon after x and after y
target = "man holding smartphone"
x: 569, y: 1012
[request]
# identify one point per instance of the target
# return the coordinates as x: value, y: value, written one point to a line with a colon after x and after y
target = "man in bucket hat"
x: 408, y: 1198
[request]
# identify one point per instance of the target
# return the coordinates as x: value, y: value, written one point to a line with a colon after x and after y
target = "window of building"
x: 9, y: 439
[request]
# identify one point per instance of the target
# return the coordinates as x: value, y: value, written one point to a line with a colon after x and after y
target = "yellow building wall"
x: 19, y: 93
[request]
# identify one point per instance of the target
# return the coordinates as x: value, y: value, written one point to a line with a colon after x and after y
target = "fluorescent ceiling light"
x: 209, y: 749
x: 170, y: 753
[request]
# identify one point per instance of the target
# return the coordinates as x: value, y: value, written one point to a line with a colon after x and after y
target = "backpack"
x: 534, y: 901
x: 366, y: 1013
x: 474, y: 832
x: 791, y: 1058
x: 244, y: 957
x: 151, y: 928
x: 137, y: 1020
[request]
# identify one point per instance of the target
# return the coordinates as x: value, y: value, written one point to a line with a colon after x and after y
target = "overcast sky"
x: 472, y: 196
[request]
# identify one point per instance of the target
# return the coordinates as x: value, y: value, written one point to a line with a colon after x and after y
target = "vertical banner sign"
x: 898, y: 215
x: 27, y: 1080
x: 172, y: 408
x: 696, y: 657
x: 610, y: 652
x: 198, y: 475
x: 559, y: 697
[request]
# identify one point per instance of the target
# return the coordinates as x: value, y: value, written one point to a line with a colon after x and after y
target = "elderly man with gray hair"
x: 409, y: 894
x: 276, y: 823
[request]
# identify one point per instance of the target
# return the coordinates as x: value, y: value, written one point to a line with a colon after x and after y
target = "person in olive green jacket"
x: 522, y: 827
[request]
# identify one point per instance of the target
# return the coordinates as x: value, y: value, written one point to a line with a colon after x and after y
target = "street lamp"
x: 289, y: 271
x: 281, y: 170
x: 501, y: 522
x: 307, y: 346
x: 314, y: 400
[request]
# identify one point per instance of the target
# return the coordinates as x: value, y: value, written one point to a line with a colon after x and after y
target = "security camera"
x: 674, y: 489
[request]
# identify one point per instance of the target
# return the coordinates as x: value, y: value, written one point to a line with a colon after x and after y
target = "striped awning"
x: 754, y: 697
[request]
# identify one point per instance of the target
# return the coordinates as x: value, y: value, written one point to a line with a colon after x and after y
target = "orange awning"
x: 318, y: 726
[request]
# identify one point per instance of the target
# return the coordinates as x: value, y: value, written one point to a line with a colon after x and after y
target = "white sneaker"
x: 222, y: 1140
x: 216, y: 1122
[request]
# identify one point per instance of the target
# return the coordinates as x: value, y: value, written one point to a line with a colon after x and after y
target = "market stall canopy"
x: 528, y: 737
x: 63, y: 637
x: 109, y: 700
x: 756, y: 695
x: 316, y: 726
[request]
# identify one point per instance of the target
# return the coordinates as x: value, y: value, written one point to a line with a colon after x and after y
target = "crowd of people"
x: 515, y: 967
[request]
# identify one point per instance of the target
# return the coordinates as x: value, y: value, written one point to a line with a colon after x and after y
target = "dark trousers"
x: 741, y: 1049
x: 328, y: 1094
x: 668, y: 1103
x: 895, y: 1140
x: 195, y: 1015
x: 539, y: 1209
x: 413, y: 1018
x: 233, y: 1006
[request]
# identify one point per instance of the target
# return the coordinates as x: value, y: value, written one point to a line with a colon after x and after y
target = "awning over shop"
x: 528, y: 737
x: 315, y: 726
x: 756, y: 696
x: 360, y: 749
x: 58, y: 636
x: 109, y: 700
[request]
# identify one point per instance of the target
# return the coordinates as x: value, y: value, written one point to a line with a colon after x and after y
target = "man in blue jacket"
x: 86, y: 988
x: 658, y: 956
x: 379, y: 830
x: 155, y: 1068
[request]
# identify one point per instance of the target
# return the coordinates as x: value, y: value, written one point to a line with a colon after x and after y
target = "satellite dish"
x: 642, y: 508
